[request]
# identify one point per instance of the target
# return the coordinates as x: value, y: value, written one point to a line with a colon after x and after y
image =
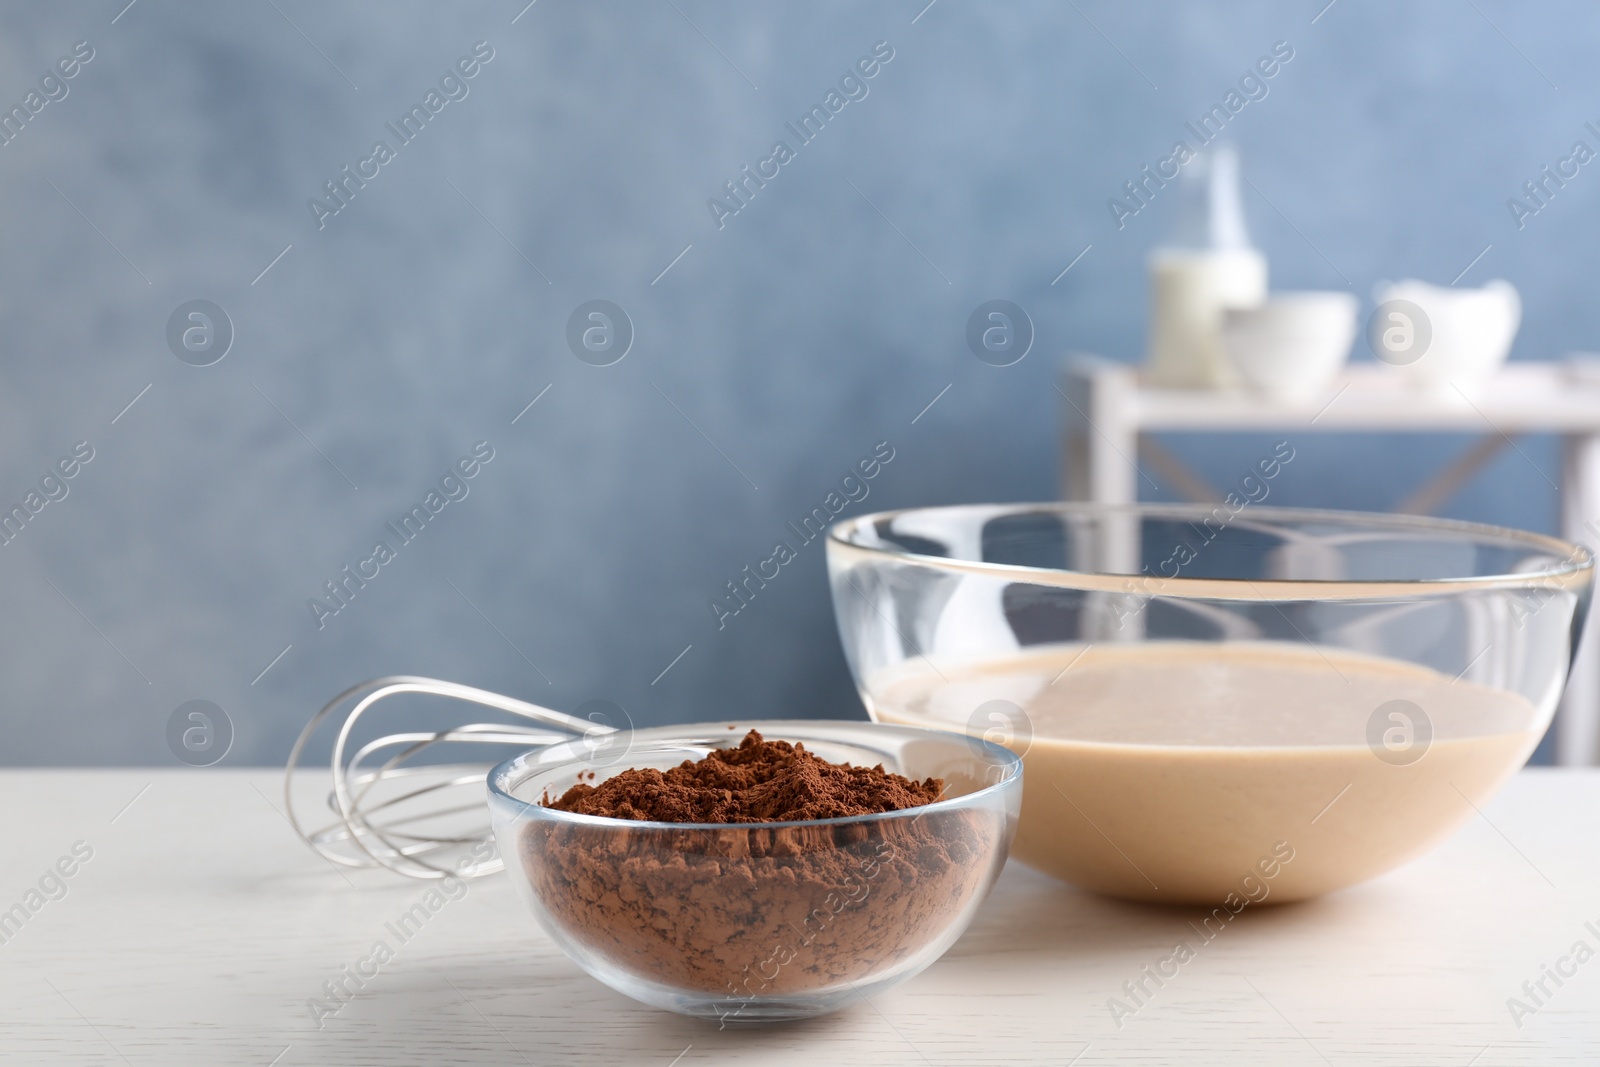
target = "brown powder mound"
x: 744, y: 912
x: 760, y: 781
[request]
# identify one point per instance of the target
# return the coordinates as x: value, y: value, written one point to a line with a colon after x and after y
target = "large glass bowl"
x: 1217, y: 704
x: 758, y: 922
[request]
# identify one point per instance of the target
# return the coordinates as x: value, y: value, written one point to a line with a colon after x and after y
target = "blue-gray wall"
x: 778, y: 350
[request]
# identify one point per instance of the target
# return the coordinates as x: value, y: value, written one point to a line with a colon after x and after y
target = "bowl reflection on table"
x: 1217, y: 704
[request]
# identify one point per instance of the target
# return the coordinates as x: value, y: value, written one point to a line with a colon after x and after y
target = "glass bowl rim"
x: 1008, y: 761
x: 1577, y: 561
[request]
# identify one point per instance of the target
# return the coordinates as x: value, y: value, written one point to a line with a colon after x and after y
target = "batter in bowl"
x: 1169, y: 770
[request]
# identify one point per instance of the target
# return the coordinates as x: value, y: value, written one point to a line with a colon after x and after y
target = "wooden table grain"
x: 199, y: 931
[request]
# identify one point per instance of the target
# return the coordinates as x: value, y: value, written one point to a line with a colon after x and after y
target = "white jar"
x: 1190, y: 290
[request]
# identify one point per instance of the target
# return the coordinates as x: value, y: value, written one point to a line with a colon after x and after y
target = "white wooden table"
x: 200, y: 928
x: 1110, y: 415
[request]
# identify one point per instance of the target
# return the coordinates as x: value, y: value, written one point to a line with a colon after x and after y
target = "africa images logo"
x: 452, y: 87
x: 852, y: 88
x: 1252, y: 87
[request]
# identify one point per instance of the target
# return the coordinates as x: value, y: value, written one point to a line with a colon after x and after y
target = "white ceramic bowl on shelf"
x: 1292, y: 346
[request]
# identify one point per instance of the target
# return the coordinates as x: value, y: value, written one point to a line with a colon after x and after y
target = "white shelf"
x: 1109, y: 412
x: 1522, y: 398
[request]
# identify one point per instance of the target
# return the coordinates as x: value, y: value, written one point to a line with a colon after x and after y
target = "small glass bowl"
x: 758, y: 922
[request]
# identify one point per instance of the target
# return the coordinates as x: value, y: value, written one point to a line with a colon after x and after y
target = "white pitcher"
x: 1465, y: 334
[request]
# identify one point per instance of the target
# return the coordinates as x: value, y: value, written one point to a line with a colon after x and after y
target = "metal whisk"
x: 376, y: 829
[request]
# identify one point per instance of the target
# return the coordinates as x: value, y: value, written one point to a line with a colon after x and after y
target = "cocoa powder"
x: 747, y: 910
x: 760, y: 781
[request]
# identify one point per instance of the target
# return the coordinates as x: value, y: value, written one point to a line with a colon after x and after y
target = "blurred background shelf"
x: 1110, y: 417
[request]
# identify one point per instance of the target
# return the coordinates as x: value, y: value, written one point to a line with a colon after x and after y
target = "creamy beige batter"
x: 1167, y: 771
